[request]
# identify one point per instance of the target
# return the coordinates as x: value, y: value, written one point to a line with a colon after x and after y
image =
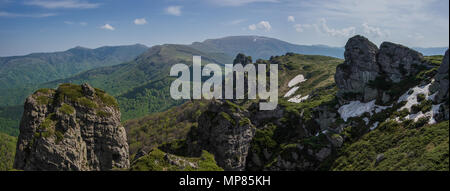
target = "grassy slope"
x: 142, y: 86
x: 7, y: 151
x: 20, y: 75
x: 158, y: 128
x: 424, y: 148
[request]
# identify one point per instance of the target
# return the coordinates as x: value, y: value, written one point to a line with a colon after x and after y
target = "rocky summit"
x: 226, y: 131
x: 71, y: 128
x: 367, y: 68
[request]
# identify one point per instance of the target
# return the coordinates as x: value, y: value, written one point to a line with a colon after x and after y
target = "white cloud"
x: 174, y: 10
x: 240, y: 2
x: 344, y: 32
x: 263, y: 25
x: 374, y: 31
x: 298, y: 27
x: 15, y: 15
x: 140, y: 21
x: 416, y: 36
x: 83, y: 23
x: 301, y: 27
x: 108, y: 27
x: 291, y: 19
x: 68, y: 4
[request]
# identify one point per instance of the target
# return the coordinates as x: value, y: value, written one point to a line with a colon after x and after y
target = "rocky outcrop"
x: 398, y: 62
x: 441, y: 87
x: 441, y: 80
x: 360, y: 67
x: 368, y: 71
x: 71, y: 128
x: 225, y: 131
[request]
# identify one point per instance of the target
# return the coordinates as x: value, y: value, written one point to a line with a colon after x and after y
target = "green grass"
x: 7, y: 151
x: 435, y: 60
x: 103, y: 114
x: 20, y: 76
x: 420, y: 148
x: 87, y: 103
x: 67, y: 109
x: 71, y: 92
x: 159, y: 128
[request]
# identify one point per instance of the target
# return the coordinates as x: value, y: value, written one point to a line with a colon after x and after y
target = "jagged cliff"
x: 225, y: 130
x: 71, y: 128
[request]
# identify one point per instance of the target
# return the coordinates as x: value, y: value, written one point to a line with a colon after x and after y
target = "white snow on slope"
x: 415, y: 117
x: 291, y: 92
x: 356, y: 109
x: 298, y: 79
x: 374, y: 126
x: 411, y: 99
x: 366, y: 120
x: 298, y: 98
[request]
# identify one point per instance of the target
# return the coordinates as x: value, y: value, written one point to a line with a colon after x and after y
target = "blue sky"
x: 28, y: 26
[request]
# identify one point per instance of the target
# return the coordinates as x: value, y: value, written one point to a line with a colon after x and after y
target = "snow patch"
x: 374, y: 126
x: 291, y: 92
x: 298, y: 79
x: 356, y: 109
x: 415, y: 117
x: 298, y: 99
x: 411, y: 99
x: 366, y: 120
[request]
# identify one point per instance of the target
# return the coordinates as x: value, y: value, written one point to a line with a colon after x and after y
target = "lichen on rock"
x: 62, y: 130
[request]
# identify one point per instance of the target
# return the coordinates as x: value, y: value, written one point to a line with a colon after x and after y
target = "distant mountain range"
x: 259, y: 47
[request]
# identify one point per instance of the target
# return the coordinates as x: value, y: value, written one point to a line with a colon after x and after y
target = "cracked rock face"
x: 398, y: 61
x: 359, y: 68
x: 73, y: 128
x: 441, y: 87
x: 365, y: 63
x: 225, y: 131
x: 442, y: 79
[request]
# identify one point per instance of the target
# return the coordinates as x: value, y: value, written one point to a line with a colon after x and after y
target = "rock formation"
x: 441, y: 79
x: 368, y: 71
x: 225, y: 131
x: 71, y: 128
x: 398, y: 62
x: 360, y: 67
x: 441, y: 86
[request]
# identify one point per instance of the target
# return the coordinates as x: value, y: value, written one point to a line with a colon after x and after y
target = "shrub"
x: 103, y: 114
x: 69, y: 91
x: 420, y: 97
x: 87, y: 103
x: 67, y: 109
x: 107, y: 99
x: 43, y: 100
